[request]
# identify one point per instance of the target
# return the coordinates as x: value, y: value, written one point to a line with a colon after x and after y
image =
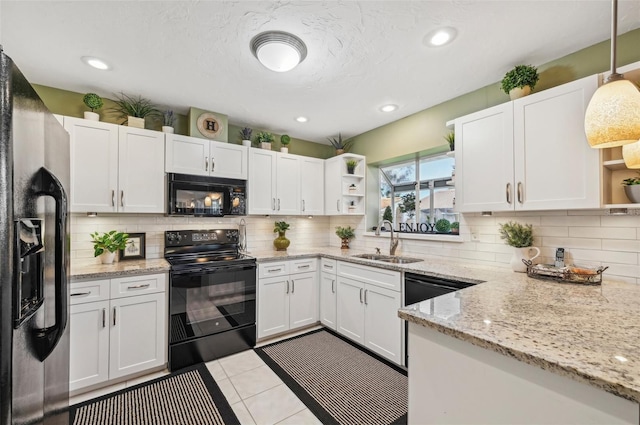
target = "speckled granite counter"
x: 119, y: 269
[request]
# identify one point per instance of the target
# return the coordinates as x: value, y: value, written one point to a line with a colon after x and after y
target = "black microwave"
x: 203, y: 196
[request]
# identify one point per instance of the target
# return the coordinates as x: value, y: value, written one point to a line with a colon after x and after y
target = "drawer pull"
x: 81, y: 294
x: 142, y: 285
x: 306, y: 266
x: 327, y: 266
x: 274, y: 270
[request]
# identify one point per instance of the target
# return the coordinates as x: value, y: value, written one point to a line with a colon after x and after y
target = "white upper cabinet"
x: 288, y: 184
x: 192, y: 155
x: 261, y: 186
x: 529, y: 154
x: 312, y: 186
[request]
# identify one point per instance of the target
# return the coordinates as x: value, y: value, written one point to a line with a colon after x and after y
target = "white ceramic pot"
x: 135, y: 122
x: 246, y: 143
x: 93, y: 116
x: 284, y: 150
x: 167, y: 129
x: 633, y: 193
x: 522, y: 253
x: 107, y: 257
x: 517, y: 92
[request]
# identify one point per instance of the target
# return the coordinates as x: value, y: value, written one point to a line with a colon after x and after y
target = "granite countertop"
x: 81, y: 271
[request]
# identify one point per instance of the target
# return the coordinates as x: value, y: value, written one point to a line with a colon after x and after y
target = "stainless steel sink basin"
x: 387, y: 258
x: 371, y: 256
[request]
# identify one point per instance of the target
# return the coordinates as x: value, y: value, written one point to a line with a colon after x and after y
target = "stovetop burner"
x: 198, y: 248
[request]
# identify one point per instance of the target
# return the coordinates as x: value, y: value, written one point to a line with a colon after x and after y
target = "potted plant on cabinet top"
x: 134, y: 110
x: 168, y: 119
x: 93, y: 101
x: 107, y: 244
x: 520, y: 81
x: 264, y: 139
x: 340, y: 145
x: 519, y: 236
x: 345, y: 234
x: 285, y: 140
x: 632, y: 188
x: 281, y: 242
x: 451, y: 140
x: 245, y: 134
x: 351, y: 166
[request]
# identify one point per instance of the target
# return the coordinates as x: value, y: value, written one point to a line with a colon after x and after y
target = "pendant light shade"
x: 613, y: 115
x: 631, y: 155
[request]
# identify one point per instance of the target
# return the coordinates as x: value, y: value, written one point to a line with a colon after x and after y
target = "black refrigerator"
x: 34, y: 256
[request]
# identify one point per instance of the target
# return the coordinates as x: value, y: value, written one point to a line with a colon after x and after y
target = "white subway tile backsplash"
x: 592, y: 221
x: 572, y: 243
x: 602, y: 232
x: 621, y: 245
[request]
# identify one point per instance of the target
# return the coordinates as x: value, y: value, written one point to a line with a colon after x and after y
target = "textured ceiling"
x: 362, y: 54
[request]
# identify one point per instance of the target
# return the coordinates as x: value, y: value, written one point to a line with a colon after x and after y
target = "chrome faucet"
x: 393, y: 242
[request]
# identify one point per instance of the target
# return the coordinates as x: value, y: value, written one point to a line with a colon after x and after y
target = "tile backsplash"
x: 590, y: 237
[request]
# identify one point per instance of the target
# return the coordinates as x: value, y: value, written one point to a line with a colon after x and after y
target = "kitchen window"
x: 415, y: 194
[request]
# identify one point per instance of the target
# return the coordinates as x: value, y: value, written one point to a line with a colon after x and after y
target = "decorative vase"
x: 345, y: 243
x: 281, y: 242
x: 633, y: 193
x: 246, y: 143
x: 351, y: 170
x: 107, y: 257
x: 93, y: 116
x: 265, y: 145
x: 284, y: 150
x: 518, y: 92
x: 522, y: 253
x: 167, y: 129
x: 135, y: 122
x: 339, y: 151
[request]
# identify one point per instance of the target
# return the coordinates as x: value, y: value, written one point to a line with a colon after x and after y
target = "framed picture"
x: 135, y: 249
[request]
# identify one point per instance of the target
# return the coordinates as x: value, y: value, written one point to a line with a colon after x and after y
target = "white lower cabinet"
x: 328, y: 292
x: 117, y: 328
x: 368, y: 300
x: 287, y: 296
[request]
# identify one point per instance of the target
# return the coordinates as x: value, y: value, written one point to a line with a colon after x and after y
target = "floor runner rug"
x: 189, y: 396
x: 338, y: 381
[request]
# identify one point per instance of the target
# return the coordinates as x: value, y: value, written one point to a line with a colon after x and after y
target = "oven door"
x: 209, y: 301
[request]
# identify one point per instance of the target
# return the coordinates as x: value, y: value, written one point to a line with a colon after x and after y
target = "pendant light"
x: 613, y: 115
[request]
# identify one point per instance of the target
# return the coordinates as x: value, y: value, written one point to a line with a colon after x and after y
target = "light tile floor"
x: 256, y: 394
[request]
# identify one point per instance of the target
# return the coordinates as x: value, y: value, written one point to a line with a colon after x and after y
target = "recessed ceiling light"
x: 95, y: 63
x: 440, y: 37
x: 278, y: 51
x: 302, y: 119
x: 389, y: 108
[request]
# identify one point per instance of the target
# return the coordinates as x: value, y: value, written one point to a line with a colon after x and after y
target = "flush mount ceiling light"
x: 302, y: 119
x: 278, y: 50
x: 613, y: 115
x: 389, y: 108
x: 95, y: 63
x: 440, y: 37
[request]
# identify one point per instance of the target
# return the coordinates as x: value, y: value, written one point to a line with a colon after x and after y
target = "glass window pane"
x: 443, y: 204
x: 401, y: 173
x: 437, y: 167
x: 406, y: 202
x: 386, y: 192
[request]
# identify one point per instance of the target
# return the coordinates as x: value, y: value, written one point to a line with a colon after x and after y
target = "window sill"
x: 419, y: 236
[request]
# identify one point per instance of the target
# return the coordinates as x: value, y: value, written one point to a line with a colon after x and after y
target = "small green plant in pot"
x: 345, y: 234
x: 351, y: 166
x: 339, y: 145
x: 264, y: 139
x: 451, y: 140
x: 245, y: 136
x: 388, y: 214
x: 632, y: 188
x: 93, y: 102
x: 134, y: 110
x: 281, y: 243
x: 520, y: 81
x: 106, y: 245
x: 455, y: 228
x: 285, y: 140
x: 520, y: 237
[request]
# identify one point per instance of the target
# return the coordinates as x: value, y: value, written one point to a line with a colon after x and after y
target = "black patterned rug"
x: 189, y: 396
x: 338, y: 381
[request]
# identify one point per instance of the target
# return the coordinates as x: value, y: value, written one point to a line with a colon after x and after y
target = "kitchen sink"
x: 371, y: 256
x: 388, y: 258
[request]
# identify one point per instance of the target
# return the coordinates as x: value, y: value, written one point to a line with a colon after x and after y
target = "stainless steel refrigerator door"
x: 39, y: 373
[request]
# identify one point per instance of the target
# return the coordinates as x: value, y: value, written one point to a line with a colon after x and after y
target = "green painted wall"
x: 425, y: 130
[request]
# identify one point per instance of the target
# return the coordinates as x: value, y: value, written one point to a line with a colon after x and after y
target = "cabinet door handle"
x: 361, y: 290
x: 206, y: 163
x: 278, y: 204
x: 365, y: 297
x: 104, y: 317
x: 114, y: 316
x: 338, y: 204
x: 293, y: 286
x: 520, y: 193
x: 122, y: 198
x: 509, y: 193
x: 273, y: 204
x: 303, y: 207
x: 213, y: 164
x: 333, y: 282
x: 113, y: 198
x: 287, y: 286
x: 143, y: 285
x: 80, y: 294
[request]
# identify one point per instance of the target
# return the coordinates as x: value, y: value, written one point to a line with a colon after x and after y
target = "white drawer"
x: 304, y: 265
x: 89, y: 291
x: 276, y: 268
x: 328, y: 266
x: 138, y: 285
x: 383, y: 278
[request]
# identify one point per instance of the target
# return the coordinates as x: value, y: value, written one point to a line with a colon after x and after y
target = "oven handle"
x: 206, y: 270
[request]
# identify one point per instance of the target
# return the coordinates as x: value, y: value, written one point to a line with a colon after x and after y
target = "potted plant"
x: 455, y: 228
x: 345, y: 234
x: 281, y: 242
x: 134, y: 110
x: 245, y: 135
x: 285, y: 140
x: 443, y: 226
x: 106, y: 245
x: 168, y: 119
x: 93, y: 101
x: 632, y: 188
x: 340, y: 145
x: 264, y: 139
x: 519, y: 236
x: 520, y: 81
x: 351, y: 166
x: 388, y: 214
x: 451, y: 140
